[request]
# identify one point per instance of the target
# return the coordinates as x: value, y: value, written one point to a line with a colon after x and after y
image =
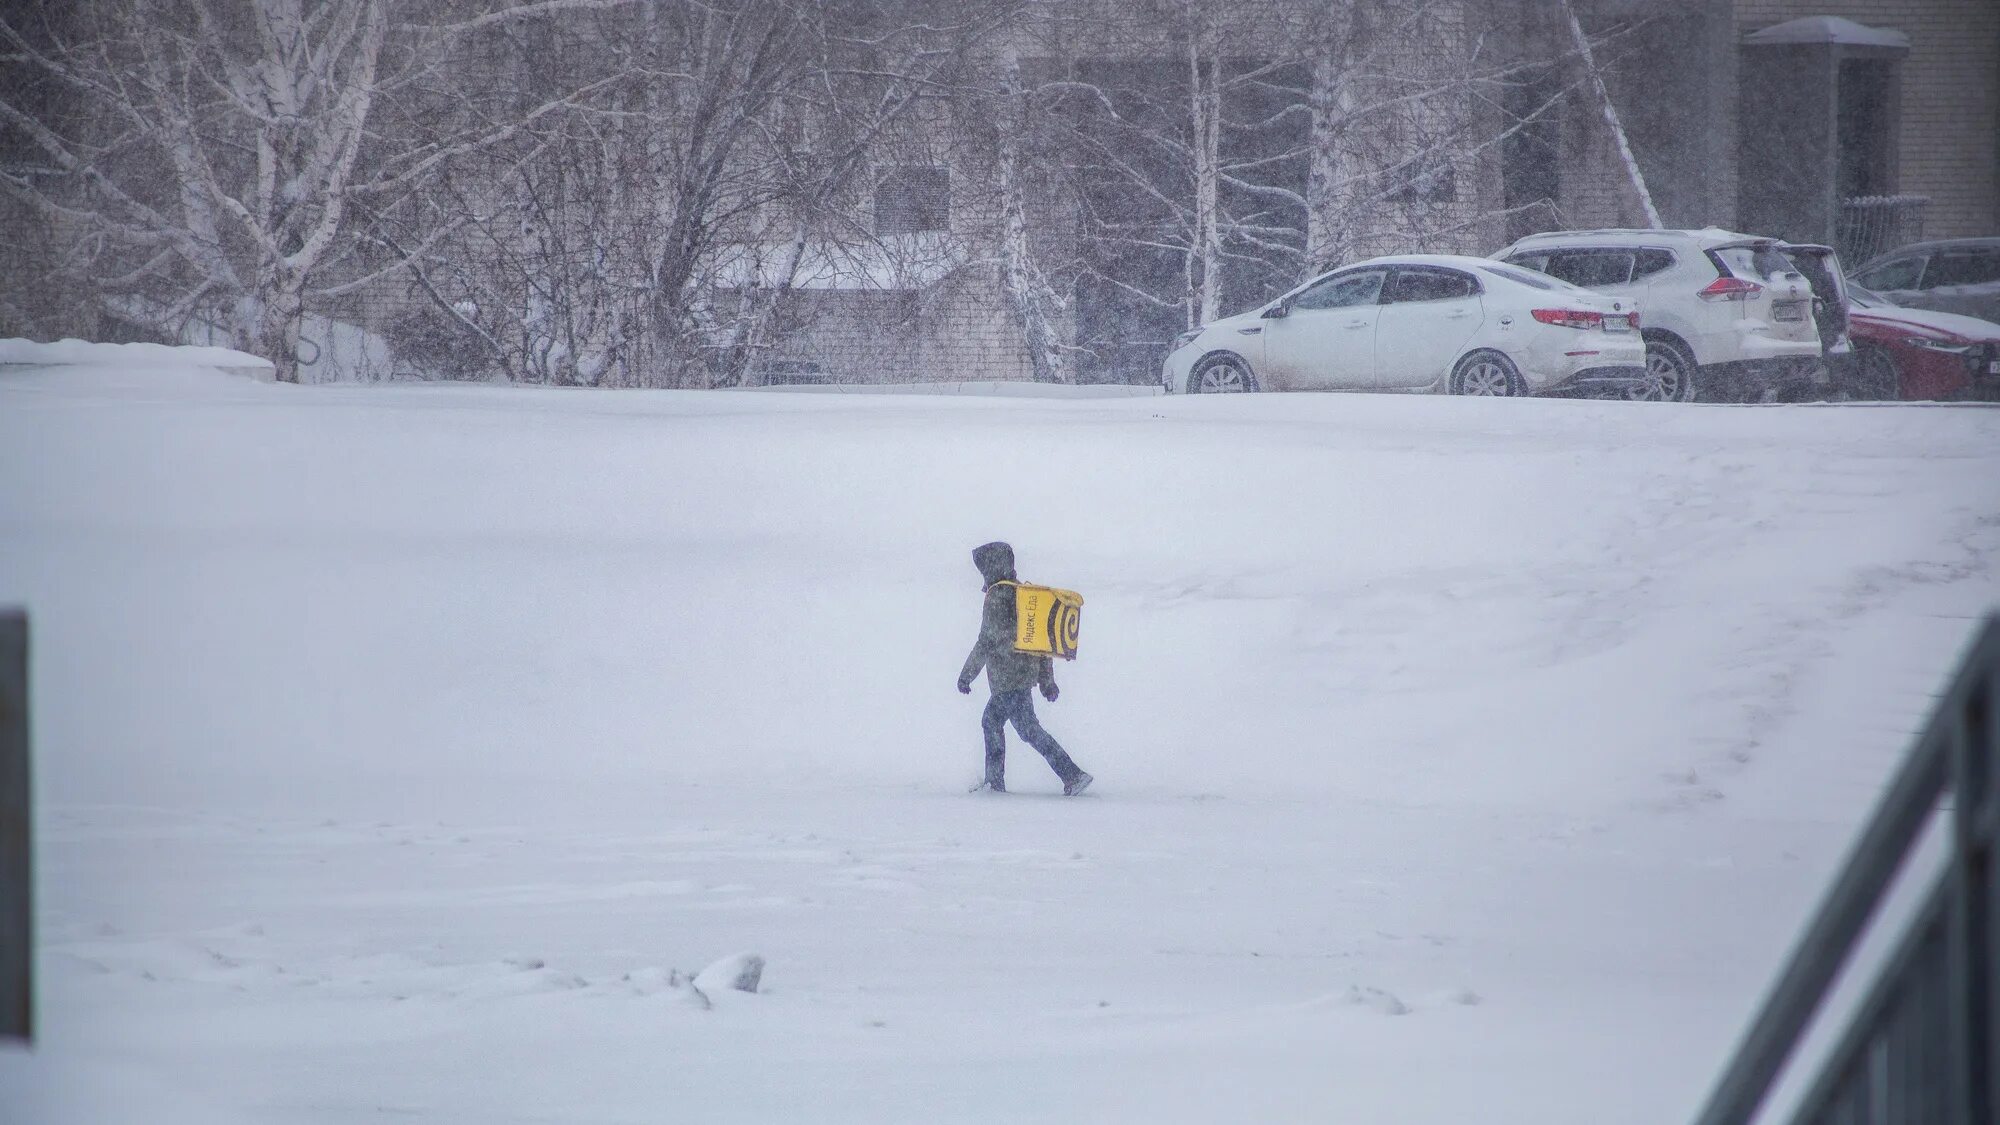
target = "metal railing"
x: 1922, y: 1047
x: 17, y: 875
x: 1873, y: 224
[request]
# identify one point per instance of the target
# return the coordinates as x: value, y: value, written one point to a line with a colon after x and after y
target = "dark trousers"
x: 1018, y: 707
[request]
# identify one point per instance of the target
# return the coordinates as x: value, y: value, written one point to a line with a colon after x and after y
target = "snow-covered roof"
x: 1827, y: 30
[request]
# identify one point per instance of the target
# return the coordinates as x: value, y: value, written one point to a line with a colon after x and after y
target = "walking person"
x: 1009, y: 676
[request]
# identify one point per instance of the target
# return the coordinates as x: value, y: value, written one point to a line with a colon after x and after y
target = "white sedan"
x: 1419, y: 322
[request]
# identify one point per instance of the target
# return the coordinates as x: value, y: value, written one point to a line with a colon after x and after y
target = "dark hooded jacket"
x: 1006, y: 670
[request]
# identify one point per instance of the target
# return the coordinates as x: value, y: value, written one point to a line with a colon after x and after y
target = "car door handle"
x: 1252, y: 330
x: 1459, y: 315
x: 1357, y: 324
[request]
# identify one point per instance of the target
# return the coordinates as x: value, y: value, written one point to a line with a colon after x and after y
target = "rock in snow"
x: 740, y: 971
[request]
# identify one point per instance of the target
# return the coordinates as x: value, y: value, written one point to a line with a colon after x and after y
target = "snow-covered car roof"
x: 1455, y: 261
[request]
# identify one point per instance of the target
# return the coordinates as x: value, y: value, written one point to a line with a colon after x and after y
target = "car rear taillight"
x: 1571, y: 318
x: 1730, y: 289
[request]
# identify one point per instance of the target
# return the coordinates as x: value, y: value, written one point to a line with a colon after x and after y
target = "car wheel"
x: 1487, y: 374
x: 1669, y: 375
x: 1221, y: 375
x: 1876, y: 376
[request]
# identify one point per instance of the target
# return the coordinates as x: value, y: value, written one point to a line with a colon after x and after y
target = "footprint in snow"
x: 1375, y: 999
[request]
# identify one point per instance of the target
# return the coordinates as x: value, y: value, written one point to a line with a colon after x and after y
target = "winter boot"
x: 1077, y: 784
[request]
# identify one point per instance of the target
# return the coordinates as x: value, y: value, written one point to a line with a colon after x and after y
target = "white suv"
x: 1751, y: 317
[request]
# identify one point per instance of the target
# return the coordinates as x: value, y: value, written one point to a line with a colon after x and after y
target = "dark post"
x: 17, y: 993
x: 1976, y: 832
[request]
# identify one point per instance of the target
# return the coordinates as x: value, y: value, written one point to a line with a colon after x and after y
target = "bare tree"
x: 650, y: 235
x: 1358, y: 126
x: 638, y: 192
x: 213, y: 154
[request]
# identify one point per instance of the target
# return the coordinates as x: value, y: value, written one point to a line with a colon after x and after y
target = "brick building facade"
x: 1942, y: 123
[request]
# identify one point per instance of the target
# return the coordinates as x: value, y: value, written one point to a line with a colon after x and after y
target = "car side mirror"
x: 1278, y: 311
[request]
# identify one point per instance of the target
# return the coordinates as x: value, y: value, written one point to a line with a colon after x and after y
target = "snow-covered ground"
x: 1457, y: 760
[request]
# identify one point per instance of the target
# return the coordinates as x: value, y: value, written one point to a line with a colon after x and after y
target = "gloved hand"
x: 965, y: 687
x: 1050, y: 691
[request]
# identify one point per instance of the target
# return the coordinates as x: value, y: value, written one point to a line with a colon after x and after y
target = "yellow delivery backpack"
x: 1046, y: 619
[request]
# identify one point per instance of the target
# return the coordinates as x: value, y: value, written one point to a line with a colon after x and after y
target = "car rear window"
x: 1761, y: 262
x: 1976, y: 268
x: 1529, y: 277
x: 1817, y: 266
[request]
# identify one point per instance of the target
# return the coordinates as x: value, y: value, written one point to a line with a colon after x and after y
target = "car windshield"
x: 1868, y: 298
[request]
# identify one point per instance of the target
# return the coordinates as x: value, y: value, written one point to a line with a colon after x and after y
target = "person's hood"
x: 995, y: 562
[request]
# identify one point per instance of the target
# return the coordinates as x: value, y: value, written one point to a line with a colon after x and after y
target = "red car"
x: 1921, y: 354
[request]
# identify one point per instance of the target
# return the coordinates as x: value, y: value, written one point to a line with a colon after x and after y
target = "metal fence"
x: 1923, y: 1046
x: 17, y: 876
x: 1872, y: 224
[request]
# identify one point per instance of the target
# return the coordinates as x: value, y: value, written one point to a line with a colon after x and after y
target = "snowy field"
x: 1457, y: 760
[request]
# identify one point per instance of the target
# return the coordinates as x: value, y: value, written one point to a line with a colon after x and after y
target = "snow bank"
x: 396, y: 742
x: 330, y: 351
x: 987, y: 389
x: 84, y: 353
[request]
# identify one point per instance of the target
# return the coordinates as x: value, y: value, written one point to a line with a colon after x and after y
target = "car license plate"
x: 1993, y: 367
x: 1790, y: 310
x: 1617, y: 323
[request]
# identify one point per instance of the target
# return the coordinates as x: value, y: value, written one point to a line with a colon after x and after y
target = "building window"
x: 913, y: 199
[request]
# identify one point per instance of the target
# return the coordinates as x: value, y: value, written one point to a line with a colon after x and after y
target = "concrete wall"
x: 1675, y: 85
x: 1785, y: 136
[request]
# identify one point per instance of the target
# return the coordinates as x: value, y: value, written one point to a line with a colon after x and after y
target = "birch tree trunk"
x: 1335, y: 163
x: 1205, y: 106
x: 1632, y: 173
x: 275, y: 331
x: 1039, y: 312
